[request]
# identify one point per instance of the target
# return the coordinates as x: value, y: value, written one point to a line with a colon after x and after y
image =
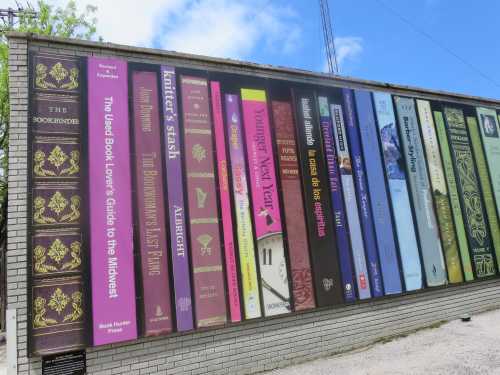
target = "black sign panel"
x: 65, y: 364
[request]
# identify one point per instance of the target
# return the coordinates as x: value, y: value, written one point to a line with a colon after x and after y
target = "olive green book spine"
x: 440, y: 192
x: 453, y: 193
x: 473, y: 210
x: 484, y: 180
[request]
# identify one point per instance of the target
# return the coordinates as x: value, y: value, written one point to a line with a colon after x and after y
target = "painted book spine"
x: 176, y: 204
x: 298, y: 247
x: 482, y: 169
x: 351, y: 207
x: 381, y: 211
x: 357, y: 165
x: 319, y: 219
x: 57, y: 245
x: 400, y: 200
x: 113, y: 291
x: 339, y: 214
x: 476, y: 227
x: 225, y: 203
x: 490, y: 135
x: 440, y: 192
x: 463, y: 245
x: 206, y: 256
x: 428, y: 233
x: 244, y: 229
x: 151, y: 228
x: 266, y: 207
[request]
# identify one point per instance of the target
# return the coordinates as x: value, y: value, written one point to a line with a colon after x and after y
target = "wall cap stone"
x: 257, y: 68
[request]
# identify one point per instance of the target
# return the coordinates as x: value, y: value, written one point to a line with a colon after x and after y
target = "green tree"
x: 65, y: 22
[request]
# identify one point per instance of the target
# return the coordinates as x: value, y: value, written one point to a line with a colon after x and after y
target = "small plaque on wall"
x: 65, y: 364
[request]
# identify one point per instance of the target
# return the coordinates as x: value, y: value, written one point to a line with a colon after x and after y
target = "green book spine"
x: 471, y: 201
x: 440, y: 192
x: 489, y: 128
x: 489, y: 201
x: 453, y: 193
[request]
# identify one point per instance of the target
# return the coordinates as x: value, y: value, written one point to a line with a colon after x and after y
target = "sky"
x: 450, y: 45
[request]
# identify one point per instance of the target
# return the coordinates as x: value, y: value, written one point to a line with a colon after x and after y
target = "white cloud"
x: 128, y: 21
x: 233, y: 29
x: 223, y: 28
x: 348, y: 48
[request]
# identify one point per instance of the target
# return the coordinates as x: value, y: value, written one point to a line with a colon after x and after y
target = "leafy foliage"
x: 65, y: 22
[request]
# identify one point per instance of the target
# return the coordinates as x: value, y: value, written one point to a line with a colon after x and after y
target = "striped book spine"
x: 317, y: 202
x: 225, y: 203
x: 339, y: 214
x: 360, y: 180
x: 206, y: 256
x: 440, y: 192
x: 476, y: 227
x: 246, y: 248
x: 463, y: 245
x: 482, y: 169
x: 179, y: 243
x: 400, y: 200
x: 428, y: 233
x: 293, y: 202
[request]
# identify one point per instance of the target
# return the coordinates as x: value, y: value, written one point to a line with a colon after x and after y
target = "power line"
x: 439, y: 44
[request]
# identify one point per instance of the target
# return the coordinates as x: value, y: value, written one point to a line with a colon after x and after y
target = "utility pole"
x: 8, y: 15
x: 326, y: 22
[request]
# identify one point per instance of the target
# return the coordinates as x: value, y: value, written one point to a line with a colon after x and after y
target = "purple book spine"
x: 339, y: 215
x: 176, y: 206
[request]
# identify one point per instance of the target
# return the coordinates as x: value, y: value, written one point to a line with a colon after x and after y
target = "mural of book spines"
x: 179, y: 244
x: 300, y: 266
x: 57, y: 248
x: 324, y: 258
x: 149, y: 200
x: 380, y: 207
x: 430, y: 244
x: 110, y: 193
x: 440, y: 192
x: 476, y: 227
x: 266, y: 207
x: 206, y: 257
x: 489, y: 127
x: 355, y: 183
x: 456, y: 209
x: 227, y: 220
x: 339, y: 214
x: 244, y: 229
x: 484, y: 180
x: 400, y: 201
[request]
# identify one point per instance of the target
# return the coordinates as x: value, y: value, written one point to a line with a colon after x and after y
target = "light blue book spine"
x: 400, y: 200
x: 378, y: 218
x: 420, y: 189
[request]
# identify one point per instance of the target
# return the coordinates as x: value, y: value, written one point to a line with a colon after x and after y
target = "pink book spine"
x: 227, y: 223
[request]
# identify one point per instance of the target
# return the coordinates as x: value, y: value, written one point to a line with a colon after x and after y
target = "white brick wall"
x: 246, y: 348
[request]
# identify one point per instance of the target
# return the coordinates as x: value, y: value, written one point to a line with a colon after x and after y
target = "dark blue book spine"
x: 339, y: 215
x: 364, y: 204
x: 377, y: 190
